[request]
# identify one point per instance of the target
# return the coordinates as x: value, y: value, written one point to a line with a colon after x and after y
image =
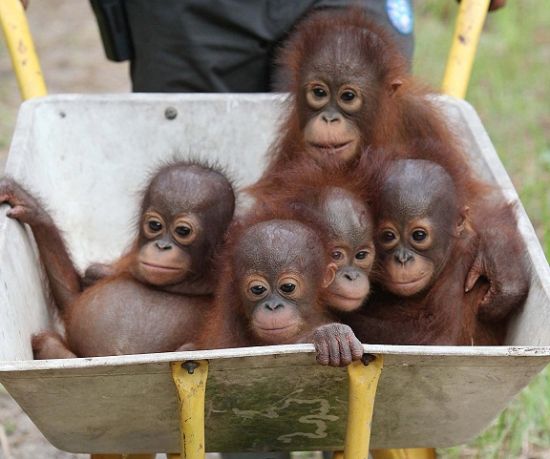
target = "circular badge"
x: 400, y: 15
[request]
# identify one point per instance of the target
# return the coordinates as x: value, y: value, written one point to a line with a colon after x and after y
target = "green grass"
x: 511, y: 92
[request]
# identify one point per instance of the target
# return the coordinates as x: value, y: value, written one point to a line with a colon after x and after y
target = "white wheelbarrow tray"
x: 88, y: 156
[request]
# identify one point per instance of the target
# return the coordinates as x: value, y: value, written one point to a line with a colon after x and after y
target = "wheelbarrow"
x: 88, y: 156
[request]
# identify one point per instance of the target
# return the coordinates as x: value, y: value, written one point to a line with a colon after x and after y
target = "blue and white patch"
x: 400, y: 15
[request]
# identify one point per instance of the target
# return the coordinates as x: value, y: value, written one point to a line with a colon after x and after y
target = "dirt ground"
x: 71, y: 54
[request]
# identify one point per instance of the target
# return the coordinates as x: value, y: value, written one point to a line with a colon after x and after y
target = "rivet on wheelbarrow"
x: 368, y: 358
x: 170, y: 113
x: 190, y: 366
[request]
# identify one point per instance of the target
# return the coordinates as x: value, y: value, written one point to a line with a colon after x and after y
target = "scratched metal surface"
x: 88, y: 156
x: 271, y: 398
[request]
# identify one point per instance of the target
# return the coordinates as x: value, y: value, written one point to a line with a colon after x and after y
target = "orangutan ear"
x: 330, y: 274
x: 463, y: 220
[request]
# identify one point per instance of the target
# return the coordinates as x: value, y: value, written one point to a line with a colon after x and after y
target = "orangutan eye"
x: 337, y: 255
x: 155, y: 225
x: 388, y: 236
x: 361, y: 255
x: 347, y: 96
x: 183, y: 230
x: 258, y: 289
x: 287, y: 288
x: 319, y: 92
x: 419, y: 235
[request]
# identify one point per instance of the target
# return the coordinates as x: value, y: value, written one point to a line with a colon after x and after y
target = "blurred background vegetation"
x: 510, y: 89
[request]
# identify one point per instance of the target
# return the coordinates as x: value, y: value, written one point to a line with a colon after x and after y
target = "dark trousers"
x: 222, y: 45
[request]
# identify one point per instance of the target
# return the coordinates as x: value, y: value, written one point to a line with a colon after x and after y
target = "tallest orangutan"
x: 350, y: 89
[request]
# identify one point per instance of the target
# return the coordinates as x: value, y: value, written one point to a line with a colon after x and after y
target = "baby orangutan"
x: 350, y: 229
x: 349, y: 89
x: 159, y: 293
x: 426, y: 243
x: 269, y: 293
x: 326, y: 196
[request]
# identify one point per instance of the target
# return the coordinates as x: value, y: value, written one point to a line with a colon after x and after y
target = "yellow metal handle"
x: 471, y: 16
x: 21, y: 48
x: 363, y: 381
x: 190, y: 380
x: 404, y: 453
